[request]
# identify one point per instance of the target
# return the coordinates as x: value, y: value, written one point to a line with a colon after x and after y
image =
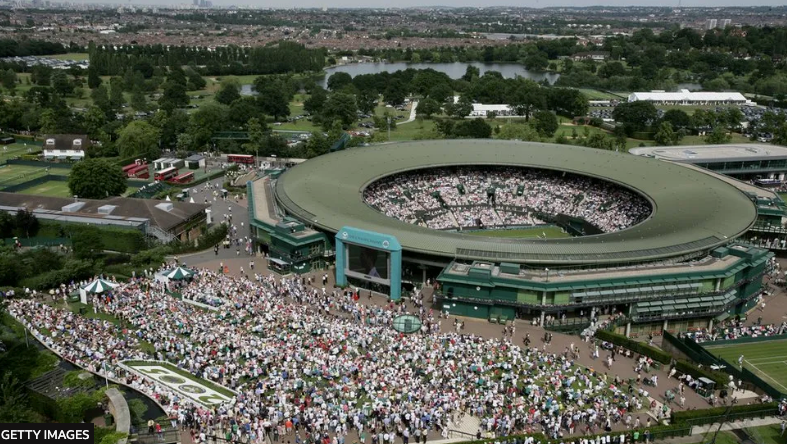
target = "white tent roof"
x: 685, y: 95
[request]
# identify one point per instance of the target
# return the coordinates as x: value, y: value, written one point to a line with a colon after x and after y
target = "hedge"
x: 635, y: 346
x: 123, y: 240
x: 692, y: 369
x: 656, y: 432
x: 710, y: 415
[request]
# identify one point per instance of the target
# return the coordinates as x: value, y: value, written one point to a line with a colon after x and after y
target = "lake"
x: 454, y: 71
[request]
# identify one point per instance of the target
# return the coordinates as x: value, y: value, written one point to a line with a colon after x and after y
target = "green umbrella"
x: 179, y: 273
x: 99, y: 286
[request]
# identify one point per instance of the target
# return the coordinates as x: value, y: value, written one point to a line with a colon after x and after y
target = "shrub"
x: 712, y: 414
x: 637, y: 347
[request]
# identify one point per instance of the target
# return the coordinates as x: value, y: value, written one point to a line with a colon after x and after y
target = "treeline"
x: 746, y: 60
x: 26, y: 47
x: 285, y: 57
x: 437, y: 88
x: 544, y: 49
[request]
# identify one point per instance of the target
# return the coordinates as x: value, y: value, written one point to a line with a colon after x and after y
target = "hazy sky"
x: 525, y: 3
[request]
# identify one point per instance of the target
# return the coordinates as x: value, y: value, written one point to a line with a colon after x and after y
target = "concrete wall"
x: 119, y: 409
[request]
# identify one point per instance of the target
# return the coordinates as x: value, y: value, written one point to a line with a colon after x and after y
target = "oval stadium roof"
x: 692, y: 211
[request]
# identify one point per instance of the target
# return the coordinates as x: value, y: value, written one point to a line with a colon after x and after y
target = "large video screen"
x: 367, y: 262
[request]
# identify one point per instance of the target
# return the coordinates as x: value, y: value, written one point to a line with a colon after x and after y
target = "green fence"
x: 39, y: 163
x: 39, y: 241
x: 696, y: 354
x: 749, y: 339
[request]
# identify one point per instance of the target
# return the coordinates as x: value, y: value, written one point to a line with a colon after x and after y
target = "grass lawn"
x: 14, y: 150
x: 522, y: 233
x: 594, y: 94
x: 53, y: 188
x: 16, y: 174
x: 767, y: 359
x: 79, y: 56
x: 412, y: 131
x: 783, y: 196
x: 75, y: 306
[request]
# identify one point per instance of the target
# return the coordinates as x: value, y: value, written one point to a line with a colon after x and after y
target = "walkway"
x: 412, y: 113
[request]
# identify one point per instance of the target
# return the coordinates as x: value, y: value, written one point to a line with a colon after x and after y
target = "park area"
x: 767, y: 359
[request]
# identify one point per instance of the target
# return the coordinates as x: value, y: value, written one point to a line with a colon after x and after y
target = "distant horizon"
x: 414, y: 4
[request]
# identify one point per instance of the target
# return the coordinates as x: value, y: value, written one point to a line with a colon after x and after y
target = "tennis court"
x: 16, y: 174
x: 766, y: 359
x: 52, y: 188
x: 15, y: 150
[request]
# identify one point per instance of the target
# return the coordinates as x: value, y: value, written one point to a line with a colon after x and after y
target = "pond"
x: 454, y: 70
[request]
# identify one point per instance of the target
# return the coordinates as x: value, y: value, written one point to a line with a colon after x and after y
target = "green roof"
x: 692, y: 211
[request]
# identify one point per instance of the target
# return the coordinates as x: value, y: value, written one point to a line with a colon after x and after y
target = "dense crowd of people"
x: 320, y: 363
x: 735, y: 329
x: 474, y: 197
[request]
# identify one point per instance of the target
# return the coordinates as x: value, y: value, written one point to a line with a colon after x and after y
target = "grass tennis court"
x: 549, y: 232
x: 767, y: 359
x: 15, y: 150
x: 16, y: 174
x: 52, y: 188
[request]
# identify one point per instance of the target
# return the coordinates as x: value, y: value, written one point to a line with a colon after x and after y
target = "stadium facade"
x: 680, y: 268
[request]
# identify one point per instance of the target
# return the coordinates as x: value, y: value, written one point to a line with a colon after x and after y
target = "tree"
x: 41, y: 75
x: 244, y: 109
x: 339, y: 80
x: 545, y: 123
x: 717, y: 136
x: 677, y: 118
x: 473, y: 129
x: 229, y: 91
x: 635, y: 116
x: 208, y: 119
x: 139, y: 139
x: 317, y: 145
x: 427, y: 107
x: 97, y: 179
x: 339, y: 106
x: 173, y: 96
x: 518, y: 131
x: 93, y: 79
x: 461, y: 109
x: 442, y: 92
x: 313, y: 105
x: 367, y: 101
x: 471, y: 73
x: 395, y: 93
x: 195, y: 80
x: 257, y: 134
x: 138, y: 100
x: 100, y: 97
x: 273, y: 99
x: 9, y: 79
x: 87, y: 243
x: 61, y: 84
x: 116, y: 98
x: 526, y: 98
x: 27, y: 222
x: 666, y: 136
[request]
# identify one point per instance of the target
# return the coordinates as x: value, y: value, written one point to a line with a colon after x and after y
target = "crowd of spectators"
x: 489, y: 197
x: 316, y: 365
x: 735, y: 329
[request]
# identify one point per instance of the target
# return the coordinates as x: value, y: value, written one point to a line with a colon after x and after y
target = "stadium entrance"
x: 370, y: 257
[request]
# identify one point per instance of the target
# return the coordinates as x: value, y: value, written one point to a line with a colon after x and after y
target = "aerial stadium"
x: 514, y: 229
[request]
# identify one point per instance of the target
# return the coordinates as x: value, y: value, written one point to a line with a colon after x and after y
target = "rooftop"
x: 710, y: 153
x: 123, y: 207
x: 692, y: 211
x: 685, y: 95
